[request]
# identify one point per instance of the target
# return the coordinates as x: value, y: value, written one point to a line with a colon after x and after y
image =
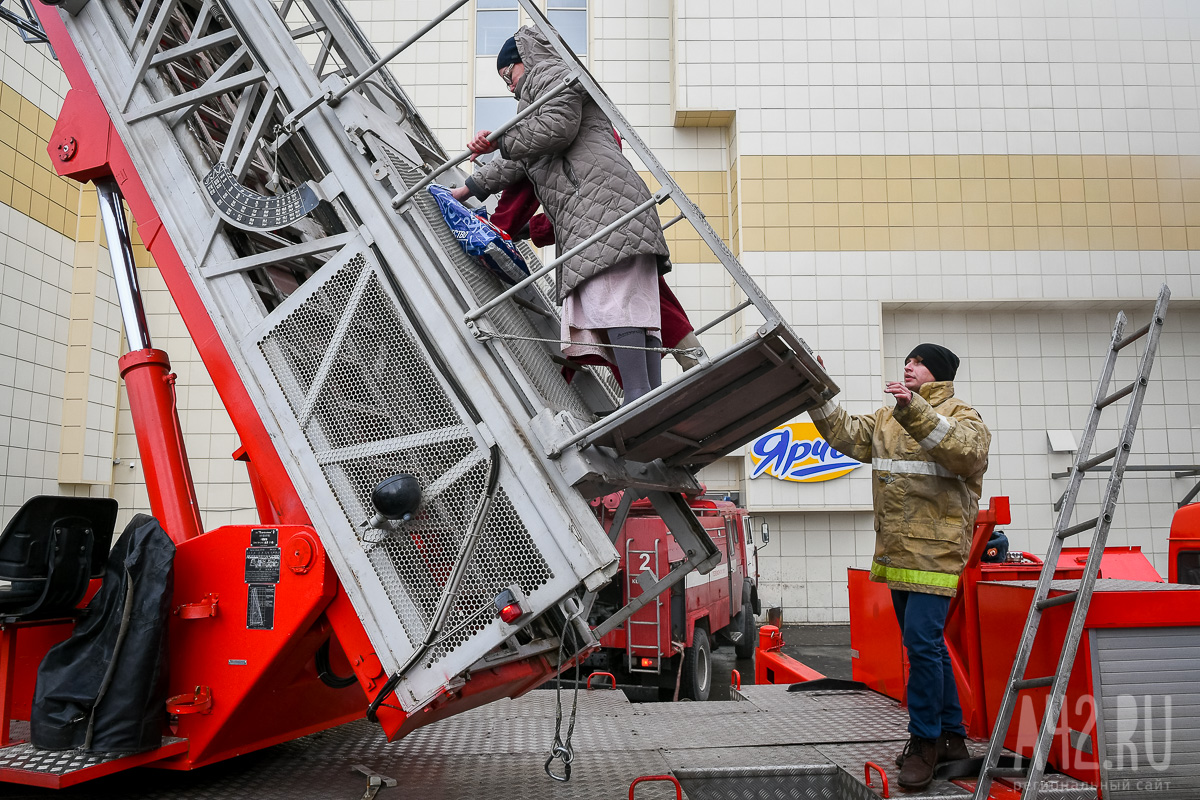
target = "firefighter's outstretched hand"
x: 480, y: 144
x: 460, y: 193
x: 900, y: 392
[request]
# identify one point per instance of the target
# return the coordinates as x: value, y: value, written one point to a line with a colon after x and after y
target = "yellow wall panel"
x: 975, y: 202
x: 27, y: 180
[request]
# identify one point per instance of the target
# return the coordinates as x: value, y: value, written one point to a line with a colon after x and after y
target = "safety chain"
x: 562, y: 749
x: 694, y: 352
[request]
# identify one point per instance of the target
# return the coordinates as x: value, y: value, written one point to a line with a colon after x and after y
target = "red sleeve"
x: 517, y: 204
x: 541, y: 232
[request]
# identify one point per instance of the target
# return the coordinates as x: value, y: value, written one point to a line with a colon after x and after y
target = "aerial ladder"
x: 422, y: 470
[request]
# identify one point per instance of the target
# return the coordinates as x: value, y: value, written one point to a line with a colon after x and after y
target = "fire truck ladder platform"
x: 289, y: 172
x: 770, y: 743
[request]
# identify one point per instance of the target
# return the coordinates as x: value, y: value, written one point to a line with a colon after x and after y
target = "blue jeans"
x: 932, y: 695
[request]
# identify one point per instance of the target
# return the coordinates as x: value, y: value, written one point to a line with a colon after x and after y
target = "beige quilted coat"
x: 566, y: 149
x: 927, y: 460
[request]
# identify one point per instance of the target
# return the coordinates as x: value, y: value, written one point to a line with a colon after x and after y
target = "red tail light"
x: 509, y: 606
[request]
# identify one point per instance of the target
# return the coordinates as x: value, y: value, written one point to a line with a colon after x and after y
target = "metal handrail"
x: 493, y: 137
x: 659, y: 197
x: 334, y: 97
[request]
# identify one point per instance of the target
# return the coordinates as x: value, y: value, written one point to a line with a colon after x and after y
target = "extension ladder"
x: 1031, y: 772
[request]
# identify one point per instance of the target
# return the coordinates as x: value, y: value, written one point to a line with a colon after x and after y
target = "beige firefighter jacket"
x: 927, y: 461
x: 582, y: 179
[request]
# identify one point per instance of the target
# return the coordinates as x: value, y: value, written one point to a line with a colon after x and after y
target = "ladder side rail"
x: 630, y: 582
x: 1046, y: 577
x: 1087, y: 583
x: 689, y: 209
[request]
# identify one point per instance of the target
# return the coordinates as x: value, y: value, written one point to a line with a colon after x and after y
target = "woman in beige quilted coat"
x: 609, y: 291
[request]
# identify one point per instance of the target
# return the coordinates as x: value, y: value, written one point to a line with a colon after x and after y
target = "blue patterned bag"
x: 490, y: 246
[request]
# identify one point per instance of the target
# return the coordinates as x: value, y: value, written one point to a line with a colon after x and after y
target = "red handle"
x: 200, y: 702
x: 611, y: 677
x: 871, y: 765
x: 1031, y: 557
x: 202, y: 610
x: 735, y: 679
x: 649, y: 778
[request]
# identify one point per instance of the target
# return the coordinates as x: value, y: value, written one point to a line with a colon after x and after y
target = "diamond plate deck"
x: 61, y: 768
x: 779, y: 744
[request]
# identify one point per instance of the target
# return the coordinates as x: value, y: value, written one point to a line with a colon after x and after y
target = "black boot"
x: 952, y: 747
x: 920, y: 757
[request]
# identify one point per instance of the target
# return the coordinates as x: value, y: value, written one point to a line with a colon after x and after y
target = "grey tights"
x: 641, y: 370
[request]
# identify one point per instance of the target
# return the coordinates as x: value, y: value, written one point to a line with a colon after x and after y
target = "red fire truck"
x: 668, y: 643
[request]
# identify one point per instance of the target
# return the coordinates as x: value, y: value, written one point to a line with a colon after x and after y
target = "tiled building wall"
x: 63, y: 420
x: 38, y: 221
x: 894, y: 153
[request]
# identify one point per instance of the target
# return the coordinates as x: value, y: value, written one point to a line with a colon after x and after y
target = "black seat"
x: 50, y: 550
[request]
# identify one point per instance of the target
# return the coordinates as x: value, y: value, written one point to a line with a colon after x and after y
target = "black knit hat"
x: 942, y: 364
x: 508, y: 54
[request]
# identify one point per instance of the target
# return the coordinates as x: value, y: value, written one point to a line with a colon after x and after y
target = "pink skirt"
x: 623, y: 296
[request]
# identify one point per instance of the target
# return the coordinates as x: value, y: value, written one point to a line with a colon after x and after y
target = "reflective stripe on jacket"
x: 927, y: 461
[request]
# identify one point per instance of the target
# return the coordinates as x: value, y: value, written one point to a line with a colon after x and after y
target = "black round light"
x: 397, y: 497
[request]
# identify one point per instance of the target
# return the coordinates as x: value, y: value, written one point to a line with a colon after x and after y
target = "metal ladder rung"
x: 1115, y: 396
x: 1079, y: 528
x: 1095, y: 461
x: 1034, y: 683
x: 1060, y: 600
x: 677, y: 218
x: 1139, y: 333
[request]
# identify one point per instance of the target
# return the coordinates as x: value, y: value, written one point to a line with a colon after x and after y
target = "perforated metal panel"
x: 356, y: 380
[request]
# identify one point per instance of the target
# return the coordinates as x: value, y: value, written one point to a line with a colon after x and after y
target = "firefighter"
x: 928, y: 455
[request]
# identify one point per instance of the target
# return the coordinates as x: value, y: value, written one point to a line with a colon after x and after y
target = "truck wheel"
x: 746, y: 647
x: 697, y: 667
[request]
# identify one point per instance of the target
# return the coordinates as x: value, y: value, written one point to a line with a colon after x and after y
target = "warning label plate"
x: 262, y: 564
x: 260, y: 607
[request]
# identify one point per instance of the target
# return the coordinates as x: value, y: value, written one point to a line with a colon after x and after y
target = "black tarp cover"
x: 105, y: 688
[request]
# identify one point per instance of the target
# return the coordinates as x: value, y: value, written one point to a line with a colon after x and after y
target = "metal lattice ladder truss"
x: 276, y: 149
x: 1033, y: 769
